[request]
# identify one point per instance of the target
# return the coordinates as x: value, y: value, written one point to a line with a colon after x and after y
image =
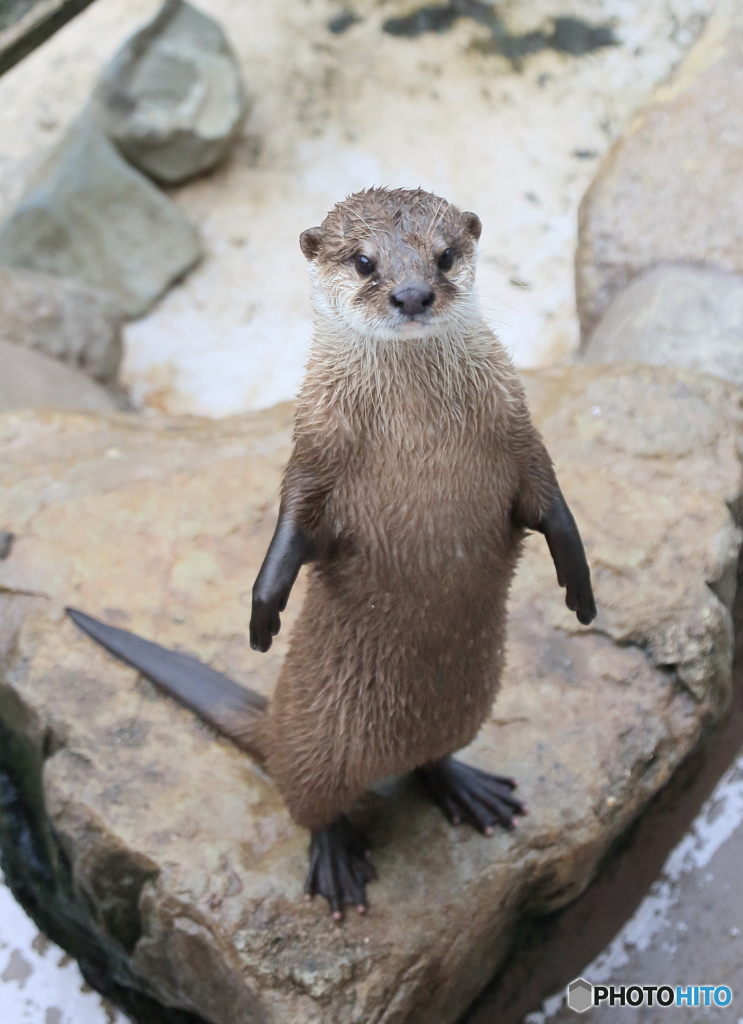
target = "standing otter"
x: 415, y: 473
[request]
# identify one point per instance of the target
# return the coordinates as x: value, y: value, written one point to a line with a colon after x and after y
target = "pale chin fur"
x: 410, y: 330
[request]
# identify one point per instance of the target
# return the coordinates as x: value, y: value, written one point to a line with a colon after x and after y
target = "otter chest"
x: 423, y: 497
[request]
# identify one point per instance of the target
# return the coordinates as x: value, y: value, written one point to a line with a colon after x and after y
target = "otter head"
x: 394, y: 263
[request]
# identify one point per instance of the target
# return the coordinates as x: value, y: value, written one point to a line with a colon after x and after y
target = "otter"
x: 415, y: 474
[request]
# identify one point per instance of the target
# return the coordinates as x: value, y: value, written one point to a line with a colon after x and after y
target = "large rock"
x: 65, y: 319
x: 91, y: 217
x: 164, y: 858
x: 30, y: 380
x: 670, y: 189
x: 678, y: 316
x: 173, y: 98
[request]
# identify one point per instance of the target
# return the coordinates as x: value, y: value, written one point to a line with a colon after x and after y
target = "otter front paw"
x: 265, y: 623
x: 579, y: 596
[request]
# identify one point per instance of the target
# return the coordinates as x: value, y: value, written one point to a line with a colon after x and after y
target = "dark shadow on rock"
x: 6, y: 543
x: 40, y: 878
x: 569, y: 35
x: 550, y: 951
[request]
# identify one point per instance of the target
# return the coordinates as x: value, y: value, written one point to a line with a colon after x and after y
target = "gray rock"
x: 173, y: 98
x: 90, y: 216
x: 166, y: 852
x: 62, y: 318
x: 30, y: 380
x: 670, y: 189
x: 678, y: 316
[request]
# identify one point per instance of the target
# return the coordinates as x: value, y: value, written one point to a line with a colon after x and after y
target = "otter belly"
x: 392, y: 664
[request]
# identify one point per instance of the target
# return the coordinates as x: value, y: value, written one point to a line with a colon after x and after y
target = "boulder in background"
x: 92, y: 217
x: 676, y: 316
x: 62, y: 318
x: 670, y: 189
x: 173, y: 98
x: 32, y: 380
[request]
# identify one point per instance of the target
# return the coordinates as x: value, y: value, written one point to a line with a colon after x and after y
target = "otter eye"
x: 446, y: 260
x: 364, y: 265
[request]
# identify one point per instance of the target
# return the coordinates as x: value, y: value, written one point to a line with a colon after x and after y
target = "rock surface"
x: 173, y: 98
x: 677, y: 316
x: 30, y: 380
x: 669, y: 190
x: 164, y: 854
x: 62, y: 318
x: 91, y: 217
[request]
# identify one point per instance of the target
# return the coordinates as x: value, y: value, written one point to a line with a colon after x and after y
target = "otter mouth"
x: 414, y: 326
x: 409, y: 330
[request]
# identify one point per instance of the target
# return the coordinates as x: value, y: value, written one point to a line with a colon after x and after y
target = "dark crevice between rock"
x: 40, y: 877
x: 6, y: 543
x: 548, y: 952
x: 569, y: 35
x: 117, y: 883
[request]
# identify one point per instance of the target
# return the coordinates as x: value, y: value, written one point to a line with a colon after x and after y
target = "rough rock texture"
x: 678, y: 316
x: 65, y: 319
x: 30, y: 380
x: 164, y: 858
x: 173, y: 98
x: 91, y: 217
x: 669, y: 190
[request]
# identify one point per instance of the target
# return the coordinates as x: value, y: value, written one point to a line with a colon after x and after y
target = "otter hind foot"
x: 340, y: 867
x: 468, y: 794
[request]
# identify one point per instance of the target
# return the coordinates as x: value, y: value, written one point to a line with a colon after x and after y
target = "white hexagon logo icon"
x: 580, y: 995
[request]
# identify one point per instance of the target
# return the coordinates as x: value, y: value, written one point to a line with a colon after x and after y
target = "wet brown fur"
x: 412, y: 458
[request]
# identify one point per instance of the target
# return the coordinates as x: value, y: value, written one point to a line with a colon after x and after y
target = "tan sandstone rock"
x: 675, y: 316
x: 172, y: 851
x: 670, y: 189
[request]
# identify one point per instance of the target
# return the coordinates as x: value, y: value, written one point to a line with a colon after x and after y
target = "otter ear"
x: 310, y: 242
x: 473, y: 224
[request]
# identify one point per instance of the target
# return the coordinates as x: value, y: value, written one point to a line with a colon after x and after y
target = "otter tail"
x: 233, y: 710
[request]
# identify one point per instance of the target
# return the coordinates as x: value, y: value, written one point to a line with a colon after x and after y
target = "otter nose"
x: 413, y: 298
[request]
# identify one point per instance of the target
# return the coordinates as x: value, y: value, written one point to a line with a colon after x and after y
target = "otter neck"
x: 443, y: 375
